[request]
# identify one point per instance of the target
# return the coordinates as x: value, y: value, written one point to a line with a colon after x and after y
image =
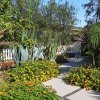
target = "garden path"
x: 66, y: 91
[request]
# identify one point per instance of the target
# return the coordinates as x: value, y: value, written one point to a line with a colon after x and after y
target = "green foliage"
x: 31, y: 22
x: 59, y: 20
x: 27, y: 16
x: 38, y: 71
x: 27, y: 91
x: 91, y: 41
x: 60, y: 59
x: 92, y: 11
x: 85, y: 77
x: 24, y: 82
x: 94, y: 35
x: 50, y: 50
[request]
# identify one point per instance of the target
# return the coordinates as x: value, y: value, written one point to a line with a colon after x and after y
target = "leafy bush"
x: 37, y: 71
x: 27, y: 91
x: 61, y: 59
x: 85, y: 77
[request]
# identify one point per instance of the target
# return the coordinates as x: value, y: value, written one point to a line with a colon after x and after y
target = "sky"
x: 80, y: 10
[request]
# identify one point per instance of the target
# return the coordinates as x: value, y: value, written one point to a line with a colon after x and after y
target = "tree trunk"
x: 94, y: 59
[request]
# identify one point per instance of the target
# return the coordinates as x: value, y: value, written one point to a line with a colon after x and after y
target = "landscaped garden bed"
x: 35, y: 30
x: 38, y: 71
x: 26, y: 91
x: 88, y: 78
x: 24, y: 82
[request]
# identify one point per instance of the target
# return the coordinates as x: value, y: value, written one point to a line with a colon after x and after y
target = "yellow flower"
x: 3, y: 93
x: 44, y: 92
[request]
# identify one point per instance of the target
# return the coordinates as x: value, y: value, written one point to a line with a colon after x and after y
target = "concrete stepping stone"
x: 68, y: 92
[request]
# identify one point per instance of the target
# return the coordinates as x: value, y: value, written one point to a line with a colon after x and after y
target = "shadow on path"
x: 95, y: 95
x: 71, y: 64
x: 67, y: 95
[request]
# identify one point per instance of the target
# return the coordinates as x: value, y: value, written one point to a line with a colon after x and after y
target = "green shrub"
x: 38, y: 71
x: 88, y: 78
x: 27, y: 91
x: 60, y: 59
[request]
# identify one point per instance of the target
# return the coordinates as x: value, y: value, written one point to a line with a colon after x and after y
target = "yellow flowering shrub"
x: 38, y: 71
x: 27, y: 91
x: 88, y: 78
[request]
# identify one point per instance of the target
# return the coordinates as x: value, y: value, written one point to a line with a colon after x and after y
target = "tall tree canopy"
x: 93, y: 9
x: 26, y: 16
x: 31, y: 22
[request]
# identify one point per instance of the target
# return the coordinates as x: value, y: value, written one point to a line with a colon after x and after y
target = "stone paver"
x: 60, y: 86
x: 68, y: 92
x: 84, y: 95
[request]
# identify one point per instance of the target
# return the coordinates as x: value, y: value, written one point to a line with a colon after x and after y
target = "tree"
x: 94, y: 34
x: 90, y: 39
x: 93, y: 9
x: 18, y: 20
x: 59, y: 19
x: 93, y: 31
x: 29, y: 22
x: 94, y: 38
